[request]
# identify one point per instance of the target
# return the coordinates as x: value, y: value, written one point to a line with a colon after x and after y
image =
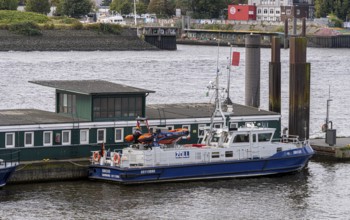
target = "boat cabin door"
x: 254, y: 144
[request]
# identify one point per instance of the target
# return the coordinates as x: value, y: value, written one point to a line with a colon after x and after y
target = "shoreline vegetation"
x: 27, y: 31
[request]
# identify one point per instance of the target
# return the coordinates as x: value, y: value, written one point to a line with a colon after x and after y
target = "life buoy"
x: 96, y: 156
x: 116, y: 158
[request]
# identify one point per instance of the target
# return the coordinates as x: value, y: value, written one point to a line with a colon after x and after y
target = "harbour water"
x: 319, y: 192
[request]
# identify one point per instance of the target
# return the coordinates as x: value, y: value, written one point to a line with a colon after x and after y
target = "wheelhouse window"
x: 66, y: 136
x: 101, y: 135
x: 264, y: 137
x: 239, y: 138
x: 228, y: 153
x: 84, y: 136
x: 114, y: 107
x: 119, y: 134
x: 47, y: 138
x: 67, y: 103
x: 28, y: 139
x: 10, y: 140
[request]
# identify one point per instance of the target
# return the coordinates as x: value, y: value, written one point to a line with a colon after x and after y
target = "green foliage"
x: 74, y: 8
x: 208, y: 8
x: 8, y: 4
x: 340, y: 8
x: 8, y: 17
x: 159, y: 7
x: 39, y: 6
x: 335, y: 20
x: 141, y: 8
x: 25, y: 28
x: 110, y: 28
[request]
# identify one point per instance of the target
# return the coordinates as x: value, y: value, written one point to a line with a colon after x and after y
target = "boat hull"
x: 5, y: 174
x: 278, y: 164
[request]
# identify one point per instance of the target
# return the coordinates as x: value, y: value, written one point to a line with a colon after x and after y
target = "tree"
x: 74, y: 8
x: 121, y: 6
x: 8, y: 4
x: 208, y: 8
x: 38, y: 6
x: 158, y: 7
x: 141, y: 8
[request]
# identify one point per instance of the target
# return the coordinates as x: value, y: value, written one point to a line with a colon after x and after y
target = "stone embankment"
x: 76, y: 40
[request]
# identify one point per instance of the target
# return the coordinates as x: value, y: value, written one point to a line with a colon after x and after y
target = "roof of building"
x: 33, y: 116
x: 198, y: 110
x: 153, y: 112
x: 91, y: 87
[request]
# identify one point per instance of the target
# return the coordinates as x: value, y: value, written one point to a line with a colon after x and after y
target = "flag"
x: 235, y: 58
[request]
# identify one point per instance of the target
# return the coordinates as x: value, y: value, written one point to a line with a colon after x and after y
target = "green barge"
x: 94, y: 112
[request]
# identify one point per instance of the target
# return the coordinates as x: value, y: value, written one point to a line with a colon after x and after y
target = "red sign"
x: 235, y: 58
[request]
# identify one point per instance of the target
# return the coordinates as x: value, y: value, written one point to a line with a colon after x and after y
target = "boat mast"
x: 218, y: 109
x: 228, y: 100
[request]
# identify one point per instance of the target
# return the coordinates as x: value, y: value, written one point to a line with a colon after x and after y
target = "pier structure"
x: 299, y: 89
x: 162, y: 37
x: 252, y: 70
x: 275, y: 76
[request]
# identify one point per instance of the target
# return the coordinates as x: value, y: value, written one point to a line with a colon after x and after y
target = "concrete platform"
x: 340, y: 150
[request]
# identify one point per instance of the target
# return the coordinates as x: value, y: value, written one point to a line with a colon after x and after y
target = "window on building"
x: 298, y: 11
x: 84, y: 136
x: 101, y: 135
x: 201, y: 129
x: 288, y: 12
x: 277, y: 12
x: 188, y: 127
x: 9, y: 140
x: 110, y: 107
x: 67, y: 103
x: 271, y: 11
x: 28, y: 139
x: 265, y: 11
x: 259, y: 11
x: 66, y: 136
x: 119, y: 135
x: 47, y: 138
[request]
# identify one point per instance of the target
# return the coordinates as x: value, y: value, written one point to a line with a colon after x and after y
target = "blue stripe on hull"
x: 5, y: 174
x: 245, y: 168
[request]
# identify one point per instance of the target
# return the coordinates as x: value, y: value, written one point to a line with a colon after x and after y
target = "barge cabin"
x: 90, y: 113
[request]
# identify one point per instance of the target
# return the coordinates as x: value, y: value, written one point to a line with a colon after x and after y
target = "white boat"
x: 116, y: 19
x: 223, y: 153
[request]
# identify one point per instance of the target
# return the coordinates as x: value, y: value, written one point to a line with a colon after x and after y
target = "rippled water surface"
x: 176, y: 76
x: 320, y: 192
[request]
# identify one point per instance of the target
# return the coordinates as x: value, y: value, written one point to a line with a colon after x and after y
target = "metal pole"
x: 135, y: 13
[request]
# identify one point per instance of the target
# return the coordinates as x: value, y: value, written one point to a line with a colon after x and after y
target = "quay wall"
x: 77, y: 40
x: 51, y: 170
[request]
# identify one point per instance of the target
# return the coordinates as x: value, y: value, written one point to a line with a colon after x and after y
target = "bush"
x: 8, y: 4
x: 25, y: 28
x: 9, y: 17
x: 109, y: 28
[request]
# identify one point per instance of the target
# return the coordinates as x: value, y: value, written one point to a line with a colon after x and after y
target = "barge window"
x: 47, y: 138
x: 28, y: 139
x: 66, y: 137
x: 67, y: 103
x: 101, y: 135
x: 228, y: 154
x: 201, y: 128
x: 10, y: 140
x: 84, y: 136
x: 119, y: 134
x: 116, y: 107
x: 188, y: 127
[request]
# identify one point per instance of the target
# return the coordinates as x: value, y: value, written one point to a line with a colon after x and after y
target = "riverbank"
x: 73, y: 40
